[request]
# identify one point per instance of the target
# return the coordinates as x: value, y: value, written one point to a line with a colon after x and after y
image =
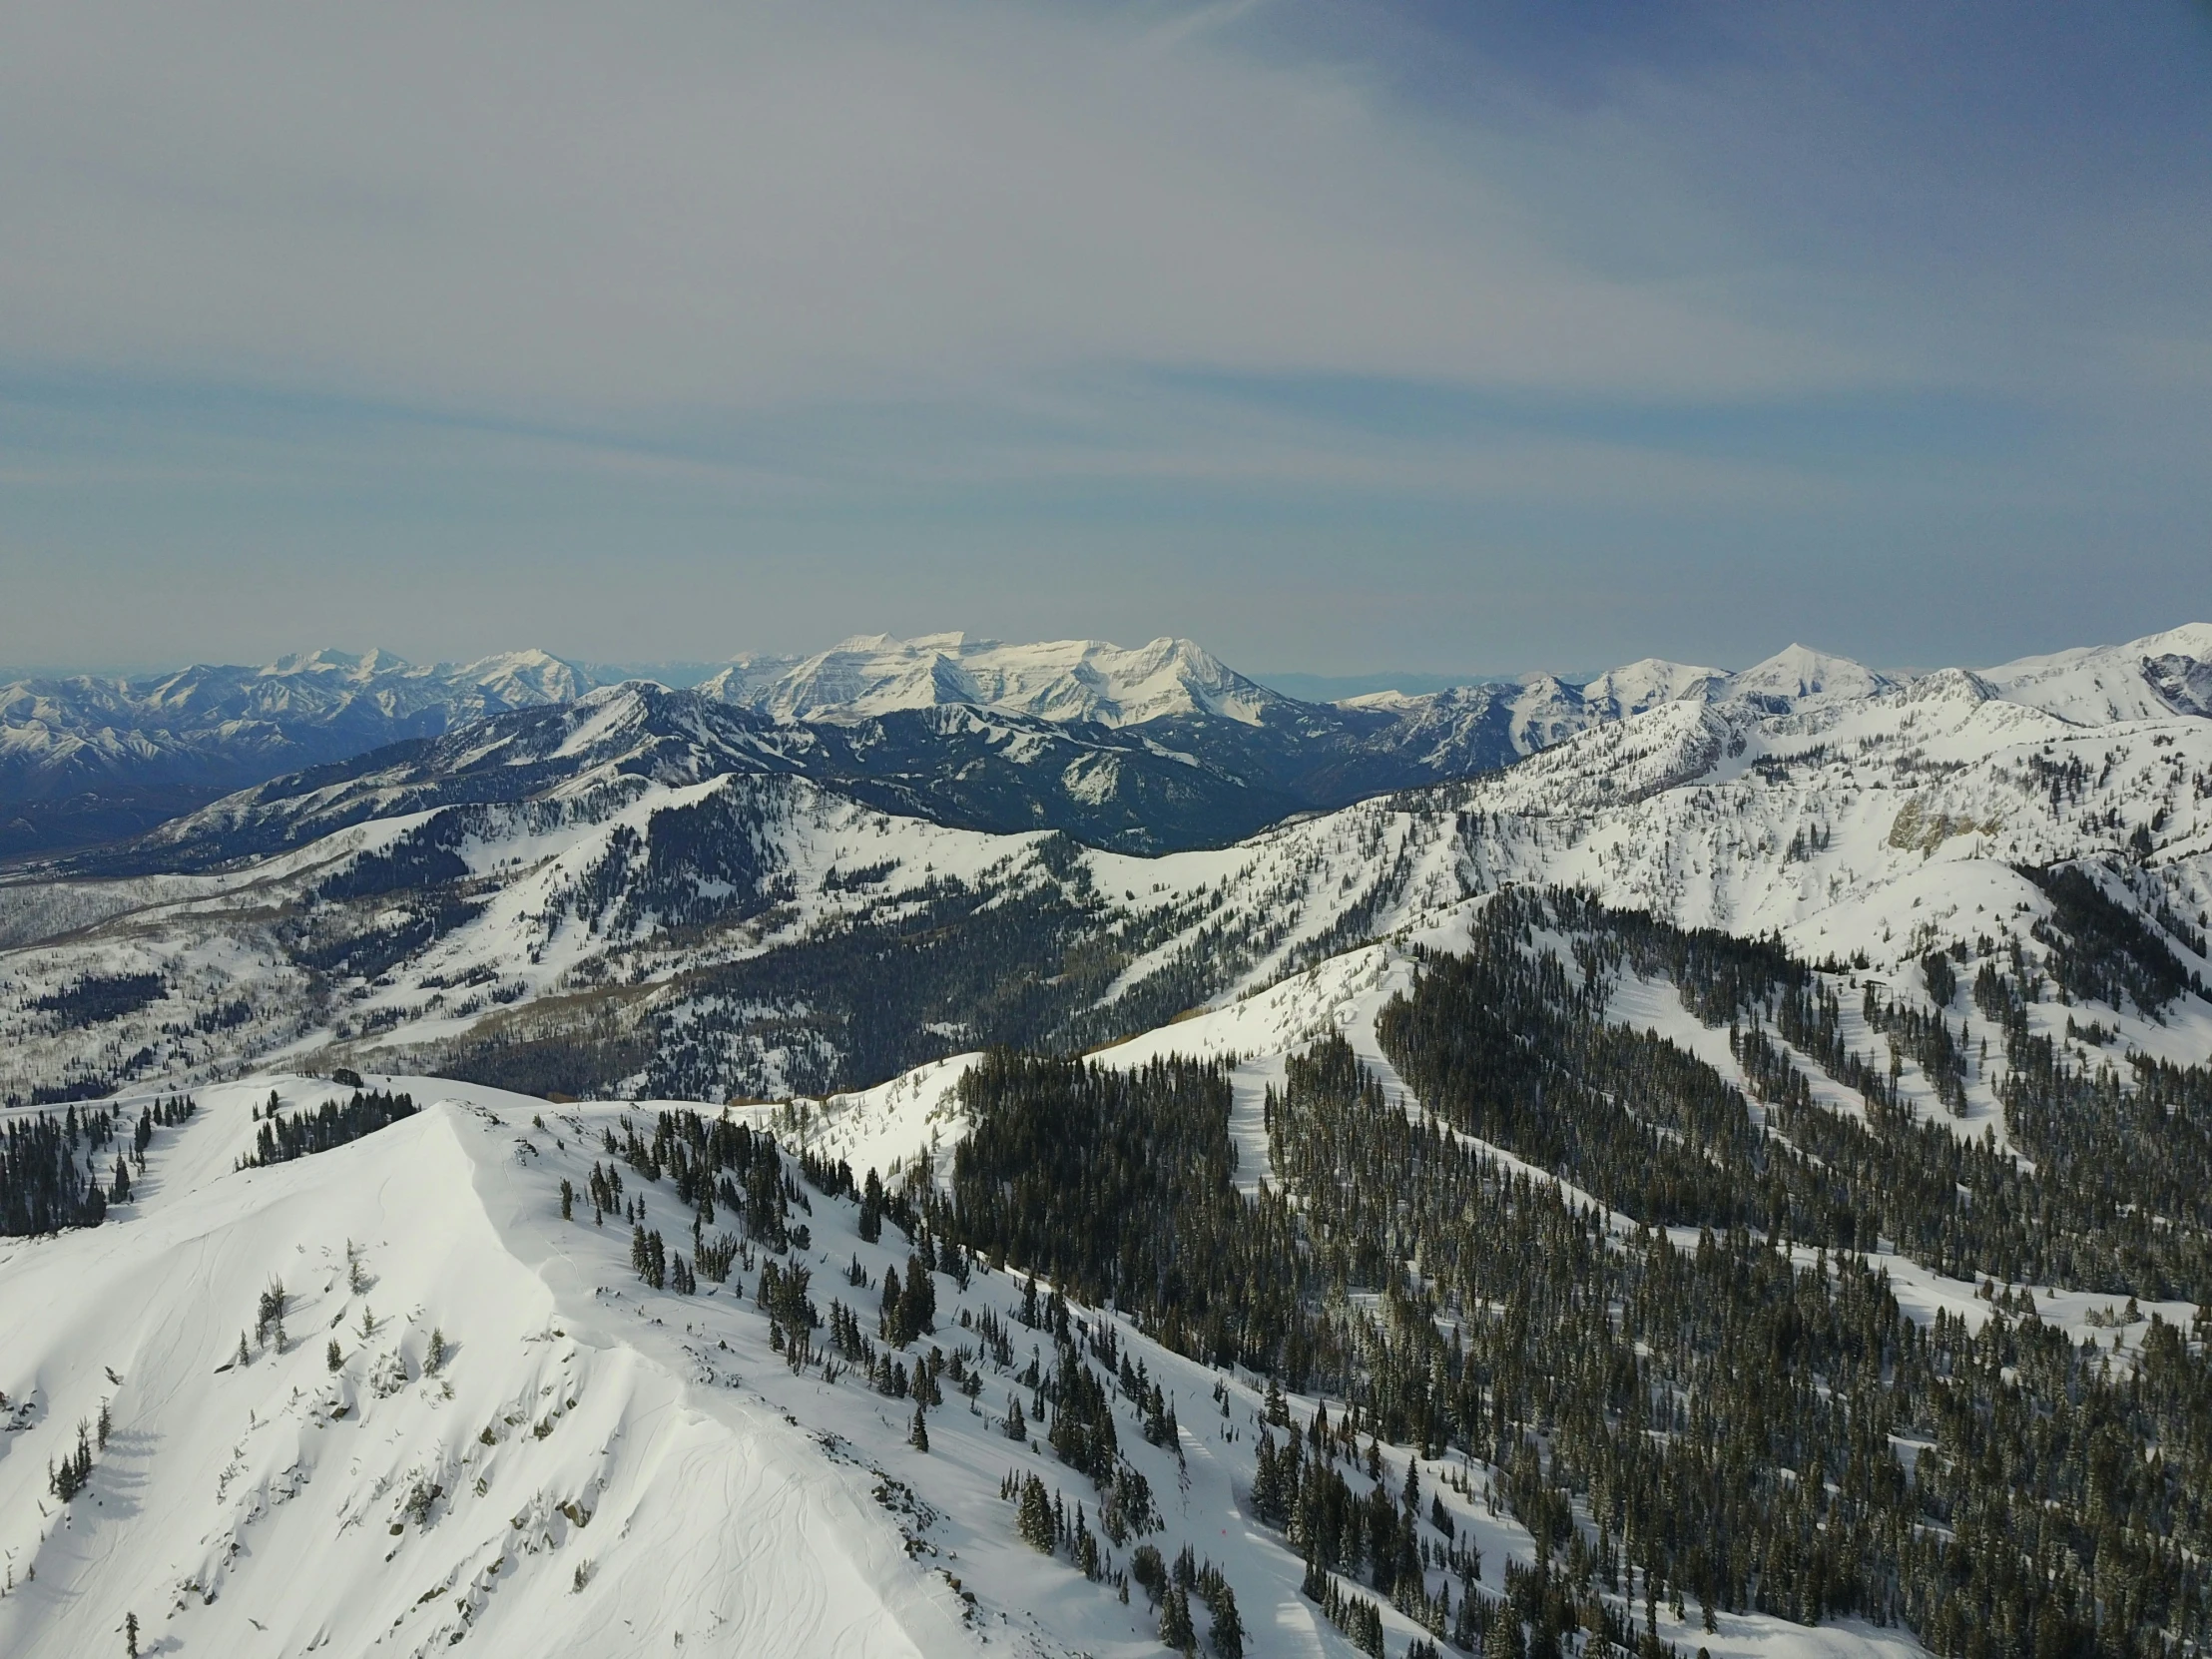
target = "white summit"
x: 1802, y: 677
x: 1056, y: 680
x: 2163, y: 674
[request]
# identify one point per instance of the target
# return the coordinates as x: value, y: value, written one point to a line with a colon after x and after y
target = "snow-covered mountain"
x: 1074, y: 734
x: 646, y: 891
x: 2146, y: 679
x: 404, y: 1394
x: 957, y: 763
x: 473, y: 1425
x: 479, y: 1421
x: 2160, y: 674
x: 85, y: 759
x: 389, y: 1398
x: 1056, y: 680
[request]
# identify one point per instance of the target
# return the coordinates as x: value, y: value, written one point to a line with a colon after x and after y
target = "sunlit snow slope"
x: 593, y: 1467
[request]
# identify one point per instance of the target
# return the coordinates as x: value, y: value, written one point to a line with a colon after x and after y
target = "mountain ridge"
x: 581, y: 856
x: 1075, y: 735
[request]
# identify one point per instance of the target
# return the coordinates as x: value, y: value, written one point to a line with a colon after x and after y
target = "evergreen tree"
x: 1227, y: 1633
x: 1175, y: 1621
x: 1035, y: 1520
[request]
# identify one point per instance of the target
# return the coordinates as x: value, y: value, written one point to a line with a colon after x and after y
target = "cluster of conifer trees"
x: 74, y: 1472
x: 50, y: 1177
x: 96, y: 998
x: 333, y: 1124
x: 711, y: 1161
x: 2101, y: 951
x: 1708, y: 1416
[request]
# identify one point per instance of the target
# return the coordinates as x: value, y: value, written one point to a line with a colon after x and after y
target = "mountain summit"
x: 1056, y: 680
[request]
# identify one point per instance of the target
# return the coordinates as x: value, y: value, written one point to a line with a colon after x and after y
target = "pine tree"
x: 887, y: 1323
x: 918, y: 1435
x: 916, y: 1311
x: 331, y: 1357
x: 1175, y: 1620
x: 1227, y: 1633
x: 268, y: 1318
x: 1035, y: 1520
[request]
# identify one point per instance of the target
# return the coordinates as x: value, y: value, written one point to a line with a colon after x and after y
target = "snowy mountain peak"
x: 522, y: 678
x: 1055, y: 680
x: 328, y: 663
x: 1799, y: 675
x: 1651, y: 680
x: 2161, y: 674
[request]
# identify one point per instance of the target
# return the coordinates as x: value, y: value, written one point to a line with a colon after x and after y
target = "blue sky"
x: 1337, y: 336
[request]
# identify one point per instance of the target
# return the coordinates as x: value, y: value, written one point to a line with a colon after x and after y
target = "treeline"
x: 52, y: 1170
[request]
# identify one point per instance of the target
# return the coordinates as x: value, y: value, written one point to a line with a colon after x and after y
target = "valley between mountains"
x: 1723, y: 1167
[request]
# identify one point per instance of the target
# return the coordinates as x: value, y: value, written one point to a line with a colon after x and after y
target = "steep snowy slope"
x: 535, y: 1489
x: 571, y: 1475
x: 522, y: 1450
x: 2146, y: 679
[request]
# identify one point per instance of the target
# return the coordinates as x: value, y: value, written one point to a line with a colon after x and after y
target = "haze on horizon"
x: 1445, y: 340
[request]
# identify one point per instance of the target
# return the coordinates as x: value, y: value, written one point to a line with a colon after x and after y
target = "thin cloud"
x: 725, y: 207
x: 1101, y: 318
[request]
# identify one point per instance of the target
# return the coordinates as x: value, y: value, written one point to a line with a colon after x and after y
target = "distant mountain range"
x: 1145, y: 750
x: 853, y: 870
x: 86, y: 758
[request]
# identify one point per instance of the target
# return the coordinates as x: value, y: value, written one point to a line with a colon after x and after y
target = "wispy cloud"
x: 715, y: 282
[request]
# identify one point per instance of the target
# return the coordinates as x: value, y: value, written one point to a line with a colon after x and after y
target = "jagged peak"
x: 1961, y: 684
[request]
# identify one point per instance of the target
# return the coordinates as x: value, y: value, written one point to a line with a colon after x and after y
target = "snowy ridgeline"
x: 385, y: 1399
x: 745, y: 934
x: 388, y: 1396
